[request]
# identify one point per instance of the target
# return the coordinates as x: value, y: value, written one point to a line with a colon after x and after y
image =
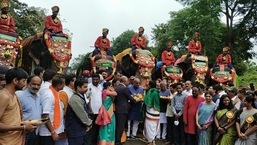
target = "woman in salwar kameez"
x: 225, y: 122
x: 107, y: 132
x: 246, y: 124
x: 204, y: 119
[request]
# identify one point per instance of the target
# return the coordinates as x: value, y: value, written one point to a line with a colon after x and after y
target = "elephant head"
x: 138, y: 63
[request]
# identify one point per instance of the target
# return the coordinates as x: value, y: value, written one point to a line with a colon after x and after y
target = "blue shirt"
x: 31, y: 107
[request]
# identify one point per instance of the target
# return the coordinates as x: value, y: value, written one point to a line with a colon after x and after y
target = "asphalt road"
x: 139, y: 142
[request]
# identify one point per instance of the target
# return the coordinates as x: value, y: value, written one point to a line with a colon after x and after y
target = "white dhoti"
x: 152, y: 118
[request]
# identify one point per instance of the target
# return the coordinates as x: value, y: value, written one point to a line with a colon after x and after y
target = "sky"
x: 86, y: 18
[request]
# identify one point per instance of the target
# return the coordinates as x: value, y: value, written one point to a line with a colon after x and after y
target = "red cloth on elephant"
x: 7, y: 24
x: 55, y: 25
x: 102, y: 43
x: 168, y: 57
x: 189, y: 113
x: 221, y: 59
x: 139, y: 41
x: 194, y: 47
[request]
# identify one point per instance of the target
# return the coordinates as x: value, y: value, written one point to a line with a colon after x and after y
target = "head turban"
x: 140, y: 29
x: 105, y: 30
x: 55, y: 9
x: 4, y: 4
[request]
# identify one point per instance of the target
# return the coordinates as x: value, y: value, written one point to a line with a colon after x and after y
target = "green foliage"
x: 239, y: 31
x: 28, y: 20
x: 249, y: 75
x: 75, y: 64
x: 122, y: 41
x: 182, y: 25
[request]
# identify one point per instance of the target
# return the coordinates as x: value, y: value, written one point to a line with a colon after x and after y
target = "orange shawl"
x: 57, y: 111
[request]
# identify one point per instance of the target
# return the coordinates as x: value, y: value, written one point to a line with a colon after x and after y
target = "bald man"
x: 122, y: 107
x: 134, y: 111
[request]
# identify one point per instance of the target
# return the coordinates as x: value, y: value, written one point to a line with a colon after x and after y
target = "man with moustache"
x: 190, y: 107
x: 30, y: 103
x: 12, y: 132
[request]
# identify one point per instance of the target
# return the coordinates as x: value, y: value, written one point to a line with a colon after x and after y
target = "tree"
x: 29, y: 20
x: 122, y: 41
x: 182, y: 25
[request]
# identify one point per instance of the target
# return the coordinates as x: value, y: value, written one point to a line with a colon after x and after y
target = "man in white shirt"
x: 94, y: 95
x: 49, y: 133
x: 69, y: 85
x: 47, y: 78
x: 188, y: 90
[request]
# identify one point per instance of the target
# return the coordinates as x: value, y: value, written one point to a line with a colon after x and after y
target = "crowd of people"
x: 88, y: 110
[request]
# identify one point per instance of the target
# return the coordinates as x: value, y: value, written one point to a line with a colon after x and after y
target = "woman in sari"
x: 107, y: 131
x: 246, y: 124
x: 204, y: 119
x: 225, y: 122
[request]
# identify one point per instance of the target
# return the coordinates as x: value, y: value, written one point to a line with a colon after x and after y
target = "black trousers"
x: 121, y: 119
x: 170, y: 134
x: 92, y: 135
x: 191, y: 139
x: 46, y: 140
x: 179, y: 133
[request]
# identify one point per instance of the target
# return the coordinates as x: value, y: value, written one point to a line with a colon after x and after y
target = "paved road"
x: 139, y: 142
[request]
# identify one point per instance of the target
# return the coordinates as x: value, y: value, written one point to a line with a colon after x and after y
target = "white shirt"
x: 45, y: 86
x: 188, y: 92
x: 68, y: 91
x: 95, y: 93
x: 48, y: 103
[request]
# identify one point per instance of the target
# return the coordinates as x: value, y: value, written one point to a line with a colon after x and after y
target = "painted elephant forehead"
x: 145, y: 58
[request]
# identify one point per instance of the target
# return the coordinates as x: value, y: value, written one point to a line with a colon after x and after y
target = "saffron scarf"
x: 57, y: 111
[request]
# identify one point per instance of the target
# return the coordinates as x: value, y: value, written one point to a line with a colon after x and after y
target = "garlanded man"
x: 224, y: 58
x: 167, y: 55
x: 7, y: 23
x: 52, y: 23
x: 102, y: 43
x: 138, y: 41
x: 195, y: 46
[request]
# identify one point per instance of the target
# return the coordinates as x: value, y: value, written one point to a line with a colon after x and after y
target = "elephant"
x: 222, y: 74
x: 170, y: 72
x: 10, y: 49
x: 100, y: 63
x: 50, y: 51
x: 138, y: 63
x: 195, y: 68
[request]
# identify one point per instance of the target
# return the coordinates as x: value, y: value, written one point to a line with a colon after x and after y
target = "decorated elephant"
x: 222, y: 74
x: 103, y: 64
x: 195, y: 68
x: 50, y: 51
x: 170, y: 72
x: 138, y: 63
x: 10, y: 49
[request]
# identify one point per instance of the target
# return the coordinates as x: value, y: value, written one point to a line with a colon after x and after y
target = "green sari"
x: 229, y: 137
x: 107, y: 132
